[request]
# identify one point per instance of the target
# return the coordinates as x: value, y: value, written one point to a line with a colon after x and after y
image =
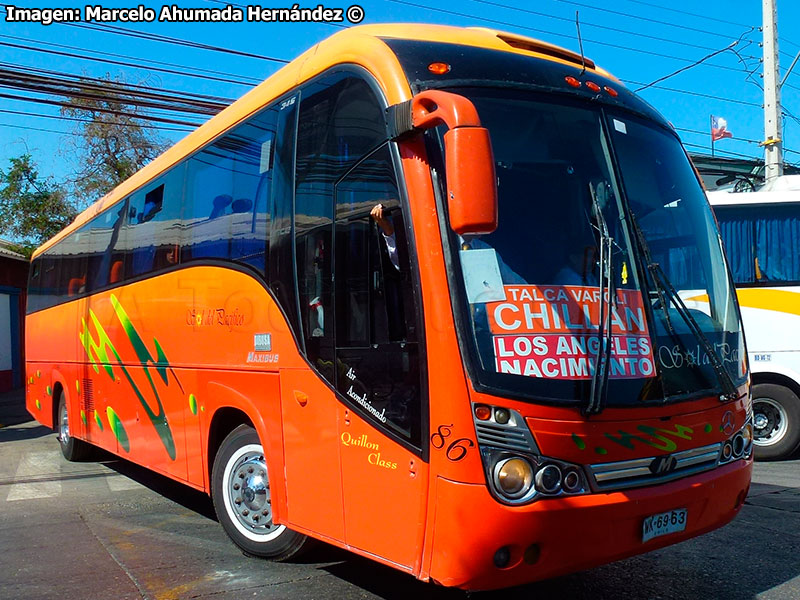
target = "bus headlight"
x: 513, y: 477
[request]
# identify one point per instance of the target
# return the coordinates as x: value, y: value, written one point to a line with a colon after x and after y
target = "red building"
x: 13, y: 284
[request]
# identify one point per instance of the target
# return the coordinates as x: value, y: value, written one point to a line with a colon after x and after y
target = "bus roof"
x: 779, y: 191
x: 361, y: 45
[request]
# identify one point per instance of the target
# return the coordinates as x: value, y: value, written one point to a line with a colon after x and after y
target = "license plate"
x: 663, y: 523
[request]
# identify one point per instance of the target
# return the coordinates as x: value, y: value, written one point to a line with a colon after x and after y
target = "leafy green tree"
x: 112, y: 142
x: 32, y: 209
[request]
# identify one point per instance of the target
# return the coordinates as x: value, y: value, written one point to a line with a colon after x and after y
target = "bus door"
x: 384, y: 480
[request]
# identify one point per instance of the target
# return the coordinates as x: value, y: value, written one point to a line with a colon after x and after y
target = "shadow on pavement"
x: 179, y: 493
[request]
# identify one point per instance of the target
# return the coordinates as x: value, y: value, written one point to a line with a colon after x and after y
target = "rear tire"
x: 776, y: 421
x: 241, y: 494
x: 73, y: 449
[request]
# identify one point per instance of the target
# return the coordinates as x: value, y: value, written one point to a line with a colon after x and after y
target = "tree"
x: 32, y: 209
x: 113, y: 142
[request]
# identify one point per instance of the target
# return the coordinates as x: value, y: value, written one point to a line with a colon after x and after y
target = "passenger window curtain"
x: 737, y: 228
x: 778, y: 244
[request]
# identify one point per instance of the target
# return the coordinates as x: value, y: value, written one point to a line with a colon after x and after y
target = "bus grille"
x: 507, y: 437
x: 636, y: 473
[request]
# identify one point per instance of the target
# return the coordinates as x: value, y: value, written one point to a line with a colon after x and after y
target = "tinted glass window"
x: 340, y: 121
x: 281, y: 256
x: 150, y: 238
x: 228, y: 184
x: 376, y: 350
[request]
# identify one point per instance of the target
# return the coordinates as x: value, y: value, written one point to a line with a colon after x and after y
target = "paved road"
x: 110, y: 530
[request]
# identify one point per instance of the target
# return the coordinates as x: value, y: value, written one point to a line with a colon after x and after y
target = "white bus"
x: 761, y: 232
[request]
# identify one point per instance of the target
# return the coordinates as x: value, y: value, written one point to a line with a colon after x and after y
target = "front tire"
x: 776, y: 421
x: 241, y: 493
x: 73, y: 449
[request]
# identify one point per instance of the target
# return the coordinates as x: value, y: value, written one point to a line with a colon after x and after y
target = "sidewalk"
x: 12, y: 408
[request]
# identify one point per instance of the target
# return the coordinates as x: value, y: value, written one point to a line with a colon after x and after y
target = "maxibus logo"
x: 97, y: 349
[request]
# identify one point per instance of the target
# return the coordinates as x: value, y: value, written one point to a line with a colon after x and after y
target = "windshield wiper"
x: 597, y: 393
x: 663, y: 284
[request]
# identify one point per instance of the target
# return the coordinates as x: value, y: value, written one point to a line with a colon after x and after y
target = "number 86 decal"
x: 457, y: 449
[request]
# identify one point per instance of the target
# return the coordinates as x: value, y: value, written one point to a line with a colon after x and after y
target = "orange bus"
x: 452, y: 299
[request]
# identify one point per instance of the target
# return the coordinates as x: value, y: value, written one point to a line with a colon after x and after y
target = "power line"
x: 698, y: 94
x: 552, y: 33
x: 649, y: 20
x: 156, y: 37
x: 113, y: 92
x: 718, y: 151
x: 694, y: 64
x: 103, y: 110
x: 597, y: 26
x: 108, y: 83
x: 243, y: 79
x: 223, y: 2
x: 39, y: 129
x: 78, y: 119
x: 690, y: 14
x: 708, y: 133
x: 116, y: 62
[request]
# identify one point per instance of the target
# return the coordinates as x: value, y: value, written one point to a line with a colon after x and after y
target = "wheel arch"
x: 777, y: 379
x: 232, y: 409
x: 58, y: 387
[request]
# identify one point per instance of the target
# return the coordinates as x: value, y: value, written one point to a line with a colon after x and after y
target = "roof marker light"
x: 573, y: 82
x: 439, y: 68
x: 593, y: 86
x: 611, y: 92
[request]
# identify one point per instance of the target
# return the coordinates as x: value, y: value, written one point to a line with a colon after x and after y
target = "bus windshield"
x: 606, y: 262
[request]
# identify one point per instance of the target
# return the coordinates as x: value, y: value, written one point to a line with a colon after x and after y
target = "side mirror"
x: 471, y: 179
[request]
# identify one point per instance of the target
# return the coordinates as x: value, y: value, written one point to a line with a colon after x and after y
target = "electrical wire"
x: 682, y: 43
x: 243, y: 79
x: 116, y: 62
x: 100, y: 109
x: 552, y: 33
x: 690, y: 93
x: 78, y: 119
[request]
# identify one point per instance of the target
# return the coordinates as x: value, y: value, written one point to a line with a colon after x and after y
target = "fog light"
x: 513, y: 477
x: 502, y: 557
x: 548, y: 479
x: 727, y: 450
x: 501, y: 415
x: 572, y: 481
x: 738, y: 445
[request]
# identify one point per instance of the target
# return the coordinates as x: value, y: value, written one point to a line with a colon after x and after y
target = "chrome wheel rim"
x: 63, y: 428
x: 246, y: 494
x: 770, y: 422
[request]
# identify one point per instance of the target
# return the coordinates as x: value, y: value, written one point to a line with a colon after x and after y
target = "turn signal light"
x: 439, y: 68
x: 483, y: 413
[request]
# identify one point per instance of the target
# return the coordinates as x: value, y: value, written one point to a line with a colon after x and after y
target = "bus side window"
x: 228, y: 184
x: 376, y: 347
x: 150, y: 238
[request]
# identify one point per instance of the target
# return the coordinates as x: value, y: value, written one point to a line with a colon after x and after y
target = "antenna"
x: 580, y: 42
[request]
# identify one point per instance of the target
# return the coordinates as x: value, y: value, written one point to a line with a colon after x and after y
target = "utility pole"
x: 773, y: 128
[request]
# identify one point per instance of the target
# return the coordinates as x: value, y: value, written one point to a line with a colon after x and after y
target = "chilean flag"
x: 719, y: 129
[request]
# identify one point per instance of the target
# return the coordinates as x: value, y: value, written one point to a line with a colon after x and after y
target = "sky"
x: 639, y: 41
